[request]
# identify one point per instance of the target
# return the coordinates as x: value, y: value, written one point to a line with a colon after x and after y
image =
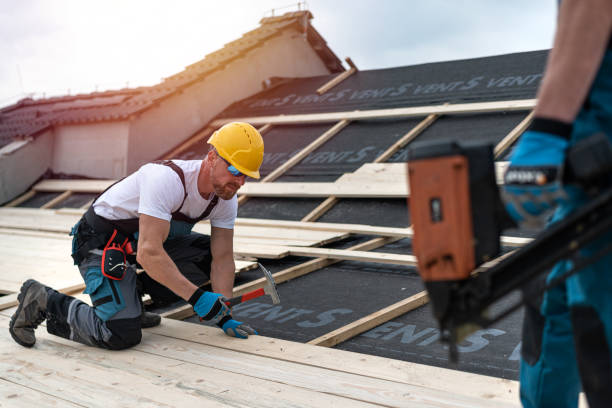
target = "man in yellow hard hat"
x: 146, y: 218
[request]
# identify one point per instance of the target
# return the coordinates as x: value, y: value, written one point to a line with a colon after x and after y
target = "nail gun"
x: 458, y: 217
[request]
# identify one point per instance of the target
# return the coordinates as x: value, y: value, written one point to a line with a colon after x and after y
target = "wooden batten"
x: 198, y: 137
x: 371, y: 321
x: 282, y: 169
x: 338, y: 78
x: 22, y: 198
x: 514, y: 134
x: 451, y: 109
x: 407, y: 138
x: 57, y: 199
x: 331, y: 201
x: 321, y: 209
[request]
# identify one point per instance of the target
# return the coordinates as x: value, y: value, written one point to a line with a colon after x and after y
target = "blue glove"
x: 234, y: 328
x: 533, y: 181
x: 209, y: 305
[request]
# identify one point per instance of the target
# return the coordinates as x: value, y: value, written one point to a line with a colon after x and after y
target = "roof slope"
x: 29, y: 117
x: 503, y: 77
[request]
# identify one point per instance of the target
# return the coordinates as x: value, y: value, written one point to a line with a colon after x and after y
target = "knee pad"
x: 125, y: 333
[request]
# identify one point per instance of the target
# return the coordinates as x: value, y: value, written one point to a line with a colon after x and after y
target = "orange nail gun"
x: 458, y: 217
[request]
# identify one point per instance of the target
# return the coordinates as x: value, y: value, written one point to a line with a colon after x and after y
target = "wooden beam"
x: 320, y: 209
x: 336, y: 80
x: 76, y: 186
x: 326, y: 205
x: 351, y: 255
x: 57, y: 199
x: 350, y: 62
x: 511, y: 137
x: 339, y: 78
x: 286, y: 274
x: 198, y: 137
x: 279, y: 171
x: 369, y: 322
x: 305, y: 151
x: 264, y: 128
x: 394, y: 189
x: 22, y: 198
x: 463, y: 108
x: 359, y: 229
x: 407, y: 138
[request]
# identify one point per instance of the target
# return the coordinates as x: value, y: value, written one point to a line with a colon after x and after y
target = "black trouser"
x: 191, y: 254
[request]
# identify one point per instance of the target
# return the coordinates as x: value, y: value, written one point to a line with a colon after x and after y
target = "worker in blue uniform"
x: 567, y: 332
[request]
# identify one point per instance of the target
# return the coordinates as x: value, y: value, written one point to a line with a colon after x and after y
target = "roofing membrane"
x: 341, y: 293
x: 504, y: 77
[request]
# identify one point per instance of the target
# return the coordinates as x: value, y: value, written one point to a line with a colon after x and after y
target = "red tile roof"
x: 29, y: 117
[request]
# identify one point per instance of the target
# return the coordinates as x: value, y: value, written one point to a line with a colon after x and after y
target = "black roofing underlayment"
x: 324, y: 300
x: 38, y: 200
x: 503, y: 77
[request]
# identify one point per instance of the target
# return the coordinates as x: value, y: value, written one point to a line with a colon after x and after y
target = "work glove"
x: 209, y: 305
x: 533, y: 182
x: 234, y: 328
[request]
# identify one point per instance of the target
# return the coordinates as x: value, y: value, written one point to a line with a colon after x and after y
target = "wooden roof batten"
x: 379, y: 317
x: 338, y: 78
x: 406, y: 112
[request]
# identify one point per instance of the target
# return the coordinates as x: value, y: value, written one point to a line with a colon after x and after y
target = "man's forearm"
x: 222, y: 277
x: 580, y: 42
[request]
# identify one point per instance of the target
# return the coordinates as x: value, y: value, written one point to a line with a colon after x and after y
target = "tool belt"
x: 95, y: 232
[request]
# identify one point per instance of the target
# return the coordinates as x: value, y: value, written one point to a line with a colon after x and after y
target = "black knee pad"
x: 593, y: 355
x: 125, y: 333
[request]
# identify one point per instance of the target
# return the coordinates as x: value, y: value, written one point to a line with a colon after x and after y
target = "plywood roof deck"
x: 179, y: 364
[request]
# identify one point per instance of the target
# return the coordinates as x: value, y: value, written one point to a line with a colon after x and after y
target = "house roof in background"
x: 29, y: 117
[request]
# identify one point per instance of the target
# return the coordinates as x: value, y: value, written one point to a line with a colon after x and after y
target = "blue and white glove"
x: 209, y: 305
x: 533, y: 182
x: 234, y: 328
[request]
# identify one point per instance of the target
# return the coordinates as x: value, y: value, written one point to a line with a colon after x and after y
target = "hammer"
x: 269, y: 288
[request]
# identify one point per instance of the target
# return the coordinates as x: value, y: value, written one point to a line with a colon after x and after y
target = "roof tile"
x: 29, y: 117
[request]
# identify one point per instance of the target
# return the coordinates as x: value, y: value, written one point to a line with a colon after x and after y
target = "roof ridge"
x: 291, y: 15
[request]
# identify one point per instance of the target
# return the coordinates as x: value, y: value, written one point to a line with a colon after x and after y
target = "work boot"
x: 30, y: 313
x: 148, y: 319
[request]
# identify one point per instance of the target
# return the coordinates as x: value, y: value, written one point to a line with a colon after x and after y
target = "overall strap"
x: 180, y: 173
x: 177, y: 215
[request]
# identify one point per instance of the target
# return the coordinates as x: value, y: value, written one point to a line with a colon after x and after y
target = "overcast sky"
x: 70, y: 46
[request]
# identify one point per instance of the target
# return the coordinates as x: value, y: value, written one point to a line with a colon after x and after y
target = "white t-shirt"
x: 156, y: 190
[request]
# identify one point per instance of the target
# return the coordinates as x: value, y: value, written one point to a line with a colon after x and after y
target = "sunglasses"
x: 233, y: 171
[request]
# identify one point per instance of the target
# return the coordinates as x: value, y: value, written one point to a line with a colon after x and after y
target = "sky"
x: 60, y: 47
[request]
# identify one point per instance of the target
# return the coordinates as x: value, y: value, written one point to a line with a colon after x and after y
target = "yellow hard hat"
x: 240, y: 144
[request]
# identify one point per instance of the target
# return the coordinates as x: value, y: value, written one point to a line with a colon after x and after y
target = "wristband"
x: 552, y: 126
x: 196, y: 295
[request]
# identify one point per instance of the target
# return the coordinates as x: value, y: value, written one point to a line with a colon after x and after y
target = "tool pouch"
x: 114, y: 263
